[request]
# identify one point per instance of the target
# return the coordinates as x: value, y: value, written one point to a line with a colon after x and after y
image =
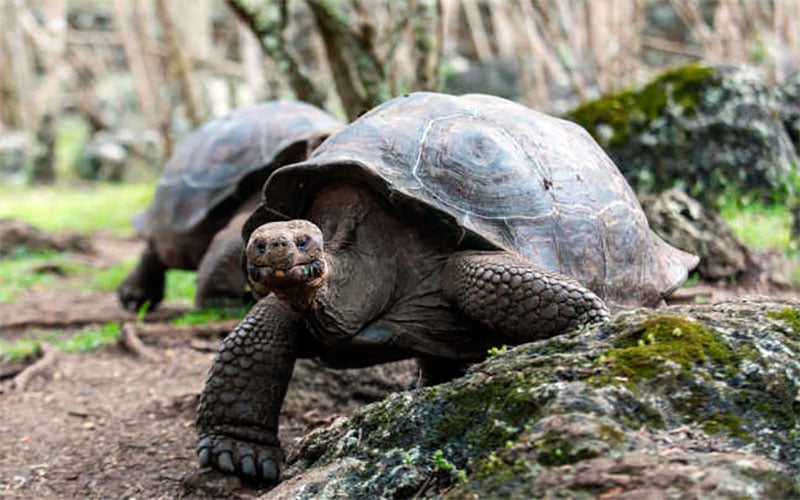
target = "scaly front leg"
x: 237, y: 421
x: 515, y: 298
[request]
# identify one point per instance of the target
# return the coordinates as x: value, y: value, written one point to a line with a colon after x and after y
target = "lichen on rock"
x: 699, y: 400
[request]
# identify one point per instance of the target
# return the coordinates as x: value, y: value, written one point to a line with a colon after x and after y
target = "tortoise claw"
x: 231, y: 456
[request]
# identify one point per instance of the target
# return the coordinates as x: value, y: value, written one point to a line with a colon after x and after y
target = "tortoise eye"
x: 302, y: 242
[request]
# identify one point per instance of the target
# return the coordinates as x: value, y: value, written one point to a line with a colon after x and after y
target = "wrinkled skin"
x: 342, y: 287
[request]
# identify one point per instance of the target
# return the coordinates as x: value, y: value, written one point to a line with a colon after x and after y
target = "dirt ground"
x: 111, y: 424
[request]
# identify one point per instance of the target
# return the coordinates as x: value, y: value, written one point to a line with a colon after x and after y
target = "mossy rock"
x: 714, y: 131
x: 696, y: 400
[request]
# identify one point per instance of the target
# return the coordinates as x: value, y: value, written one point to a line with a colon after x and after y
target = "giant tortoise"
x: 207, y: 189
x: 433, y: 227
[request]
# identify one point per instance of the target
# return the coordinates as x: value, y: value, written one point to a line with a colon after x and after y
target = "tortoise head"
x: 287, y: 258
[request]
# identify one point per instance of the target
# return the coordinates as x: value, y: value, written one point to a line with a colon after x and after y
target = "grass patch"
x: 21, y: 272
x: 80, y: 208
x: 25, y: 270
x: 18, y: 350
x: 71, y: 135
x: 88, y: 339
x: 180, y: 285
x: 209, y: 314
x: 760, y: 226
x: 108, y: 279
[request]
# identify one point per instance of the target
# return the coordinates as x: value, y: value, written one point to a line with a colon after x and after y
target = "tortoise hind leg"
x: 515, y: 298
x: 145, y: 284
x: 220, y: 280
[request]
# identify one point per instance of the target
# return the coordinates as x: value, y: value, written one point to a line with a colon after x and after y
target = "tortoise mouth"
x: 279, y: 277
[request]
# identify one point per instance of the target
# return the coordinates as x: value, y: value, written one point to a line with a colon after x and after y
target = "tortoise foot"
x: 251, y: 461
x: 133, y: 295
x: 144, y: 284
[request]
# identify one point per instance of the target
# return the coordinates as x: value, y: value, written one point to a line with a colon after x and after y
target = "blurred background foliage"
x: 103, y: 89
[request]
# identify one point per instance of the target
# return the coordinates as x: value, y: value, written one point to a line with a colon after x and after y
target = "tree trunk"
x: 181, y: 65
x: 359, y: 76
x: 142, y: 84
x: 16, y: 75
x: 268, y: 24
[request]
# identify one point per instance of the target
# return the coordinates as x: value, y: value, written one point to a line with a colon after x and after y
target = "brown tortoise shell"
x: 214, y: 162
x: 506, y: 177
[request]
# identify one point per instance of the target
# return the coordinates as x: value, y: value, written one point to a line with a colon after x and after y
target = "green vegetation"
x: 789, y: 315
x: 180, y: 286
x: 764, y: 227
x: 496, y: 351
x: 440, y: 463
x: 613, y: 118
x: 71, y: 135
x: 18, y: 349
x: 554, y: 450
x: 24, y: 270
x: 726, y: 423
x: 640, y: 354
x: 60, y: 271
x: 209, y: 314
x: 100, y: 207
x: 85, y: 340
x: 108, y: 279
x: 760, y: 226
x: 90, y: 339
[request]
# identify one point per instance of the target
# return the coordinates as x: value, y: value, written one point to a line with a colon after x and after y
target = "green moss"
x: 641, y: 353
x: 611, y: 435
x: 488, y: 415
x: 725, y: 423
x: 554, y: 450
x: 789, y: 315
x: 631, y: 112
x: 497, y: 468
x: 776, y: 484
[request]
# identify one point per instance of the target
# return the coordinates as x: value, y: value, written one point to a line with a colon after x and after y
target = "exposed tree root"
x: 187, y: 332
x: 132, y: 333
x: 130, y: 340
x: 38, y: 368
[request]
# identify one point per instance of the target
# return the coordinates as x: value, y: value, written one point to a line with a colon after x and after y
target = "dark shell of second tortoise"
x: 211, y: 163
x: 505, y: 177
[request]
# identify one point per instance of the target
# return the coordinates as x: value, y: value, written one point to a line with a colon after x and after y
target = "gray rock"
x: 789, y: 108
x: 713, y: 130
x: 16, y: 154
x: 684, y: 223
x: 690, y: 401
x: 120, y: 155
